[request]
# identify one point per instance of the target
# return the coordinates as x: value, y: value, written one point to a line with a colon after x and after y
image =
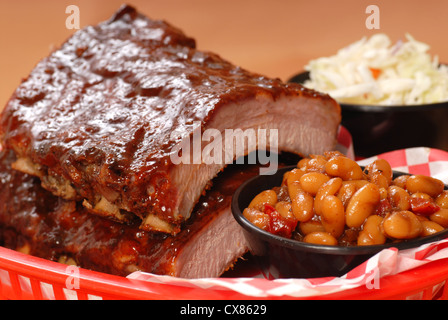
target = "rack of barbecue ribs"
x: 92, y: 137
x: 99, y: 119
x: 34, y: 221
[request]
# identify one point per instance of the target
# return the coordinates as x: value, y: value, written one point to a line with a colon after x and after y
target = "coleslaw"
x: 374, y: 71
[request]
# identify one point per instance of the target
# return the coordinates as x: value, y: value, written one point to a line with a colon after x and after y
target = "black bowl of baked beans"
x: 326, y: 215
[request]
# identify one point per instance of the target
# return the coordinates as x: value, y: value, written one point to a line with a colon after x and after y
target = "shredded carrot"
x: 375, y: 72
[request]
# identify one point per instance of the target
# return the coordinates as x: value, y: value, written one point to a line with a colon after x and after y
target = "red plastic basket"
x: 26, y: 277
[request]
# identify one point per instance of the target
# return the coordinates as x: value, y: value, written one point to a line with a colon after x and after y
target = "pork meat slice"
x: 34, y: 221
x: 101, y: 119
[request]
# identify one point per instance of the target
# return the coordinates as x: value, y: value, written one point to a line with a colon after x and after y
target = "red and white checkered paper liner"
x: 420, y: 160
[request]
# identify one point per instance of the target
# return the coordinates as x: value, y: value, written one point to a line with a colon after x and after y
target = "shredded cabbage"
x: 373, y: 71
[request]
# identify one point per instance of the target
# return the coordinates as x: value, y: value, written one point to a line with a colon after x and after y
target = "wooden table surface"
x: 275, y: 38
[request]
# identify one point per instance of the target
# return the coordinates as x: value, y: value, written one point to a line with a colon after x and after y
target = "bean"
x: 333, y: 216
x: 310, y: 226
x: 421, y: 195
x: 302, y: 163
x: 400, y: 181
x: 379, y: 179
x: 441, y: 217
x: 371, y: 233
x: 442, y: 200
x: 421, y: 183
x: 331, y: 187
x: 257, y: 218
x: 303, y: 206
x: 315, y: 164
x: 402, y: 225
x: 383, y: 193
x: 421, y: 218
x: 312, y: 181
x: 320, y: 237
x: 380, y: 172
x: 264, y: 197
x: 398, y: 198
x: 430, y: 227
x: 284, y: 209
x: 293, y: 182
x: 349, y: 188
x: 361, y: 205
x: 343, y: 167
x: 357, y: 183
x: 346, y: 191
x: 294, y: 175
x: 282, y: 193
x: 333, y: 154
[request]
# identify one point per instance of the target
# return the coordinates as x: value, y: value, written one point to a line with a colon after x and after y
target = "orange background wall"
x: 275, y: 38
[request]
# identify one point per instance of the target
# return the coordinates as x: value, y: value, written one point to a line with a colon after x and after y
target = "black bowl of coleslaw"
x: 377, y: 128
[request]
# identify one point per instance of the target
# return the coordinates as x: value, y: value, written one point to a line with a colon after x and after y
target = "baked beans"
x: 329, y: 199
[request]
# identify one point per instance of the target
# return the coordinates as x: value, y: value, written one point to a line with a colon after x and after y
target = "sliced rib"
x: 34, y: 221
